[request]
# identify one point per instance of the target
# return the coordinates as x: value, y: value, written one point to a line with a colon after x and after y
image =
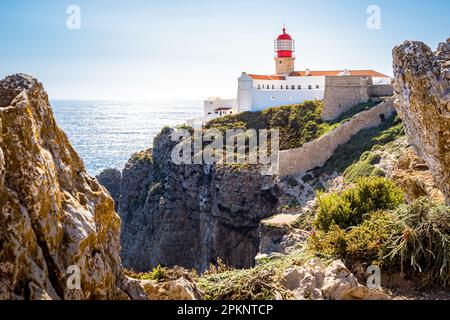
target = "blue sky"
x: 139, y: 49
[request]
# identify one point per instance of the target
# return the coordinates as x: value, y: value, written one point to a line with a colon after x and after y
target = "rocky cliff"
x: 422, y: 91
x: 190, y: 215
x: 55, y: 220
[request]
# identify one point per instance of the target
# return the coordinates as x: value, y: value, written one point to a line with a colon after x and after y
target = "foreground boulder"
x: 180, y: 289
x: 316, y: 281
x: 422, y: 91
x: 56, y: 222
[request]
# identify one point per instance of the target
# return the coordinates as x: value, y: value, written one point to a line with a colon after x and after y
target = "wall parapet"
x: 316, y: 153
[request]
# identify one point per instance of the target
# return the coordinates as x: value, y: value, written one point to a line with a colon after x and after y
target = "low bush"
x: 365, y: 167
x: 350, y: 207
x: 413, y: 239
x: 423, y: 242
x: 362, y: 243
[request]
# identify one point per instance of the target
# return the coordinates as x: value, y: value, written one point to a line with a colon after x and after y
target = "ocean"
x: 106, y: 133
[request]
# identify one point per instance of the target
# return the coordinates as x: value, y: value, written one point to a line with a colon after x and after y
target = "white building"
x: 257, y: 92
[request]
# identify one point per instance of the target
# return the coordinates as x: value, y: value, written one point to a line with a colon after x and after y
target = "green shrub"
x: 350, y: 207
x: 365, y: 243
x: 413, y: 239
x: 364, y: 168
x: 423, y: 242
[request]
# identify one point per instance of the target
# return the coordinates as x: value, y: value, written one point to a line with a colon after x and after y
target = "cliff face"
x: 422, y: 90
x: 189, y: 215
x: 54, y: 218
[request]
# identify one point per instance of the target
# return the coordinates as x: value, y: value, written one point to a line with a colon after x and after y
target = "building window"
x: 299, y: 87
x: 273, y: 87
x: 317, y: 87
x: 281, y: 87
x: 293, y: 87
x: 259, y: 86
x: 310, y: 87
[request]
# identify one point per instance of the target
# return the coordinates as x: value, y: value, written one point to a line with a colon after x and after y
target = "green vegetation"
x: 145, y: 155
x: 163, y: 274
x: 258, y: 283
x: 365, y: 167
x: 414, y: 239
x: 366, y: 140
x: 159, y: 274
x: 423, y: 242
x: 351, y: 207
x: 298, y: 124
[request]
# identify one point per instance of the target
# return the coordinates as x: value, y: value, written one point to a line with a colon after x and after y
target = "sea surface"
x: 106, y: 133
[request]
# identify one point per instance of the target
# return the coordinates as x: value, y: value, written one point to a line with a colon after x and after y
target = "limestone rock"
x: 53, y: 215
x: 305, y: 281
x: 335, y: 282
x: 277, y: 234
x: 180, y: 289
x: 111, y: 180
x: 341, y: 284
x: 412, y: 175
x: 189, y: 215
x: 422, y: 91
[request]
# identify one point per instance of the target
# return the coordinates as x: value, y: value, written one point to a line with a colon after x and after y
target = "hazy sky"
x: 138, y: 49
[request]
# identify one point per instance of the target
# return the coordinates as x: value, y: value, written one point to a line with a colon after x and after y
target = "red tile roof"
x: 266, y: 77
x: 368, y: 73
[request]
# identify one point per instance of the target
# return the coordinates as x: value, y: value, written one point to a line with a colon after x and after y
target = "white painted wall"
x: 257, y: 95
x: 245, y: 93
x: 381, y: 80
x: 211, y: 104
x: 263, y: 99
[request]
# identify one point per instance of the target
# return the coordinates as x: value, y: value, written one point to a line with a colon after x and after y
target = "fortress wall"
x: 344, y: 92
x: 383, y: 90
x: 316, y: 153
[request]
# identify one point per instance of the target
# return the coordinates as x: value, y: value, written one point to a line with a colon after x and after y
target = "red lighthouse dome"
x: 284, y: 45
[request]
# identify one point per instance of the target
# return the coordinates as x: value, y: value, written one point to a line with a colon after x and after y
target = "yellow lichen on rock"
x: 54, y: 217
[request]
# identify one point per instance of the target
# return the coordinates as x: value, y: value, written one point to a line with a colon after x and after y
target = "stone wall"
x: 316, y: 153
x: 381, y: 90
x: 345, y: 92
x: 342, y: 93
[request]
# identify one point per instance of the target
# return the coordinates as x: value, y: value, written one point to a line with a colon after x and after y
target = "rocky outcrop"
x: 316, y: 281
x: 422, y: 91
x: 414, y: 178
x: 111, y: 179
x: 180, y: 289
x: 55, y: 220
x: 190, y: 215
x: 277, y: 234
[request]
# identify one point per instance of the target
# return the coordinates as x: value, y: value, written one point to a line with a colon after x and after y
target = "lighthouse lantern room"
x: 284, y: 48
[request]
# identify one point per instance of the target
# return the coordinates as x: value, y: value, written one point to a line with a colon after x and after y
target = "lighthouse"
x: 284, y: 59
